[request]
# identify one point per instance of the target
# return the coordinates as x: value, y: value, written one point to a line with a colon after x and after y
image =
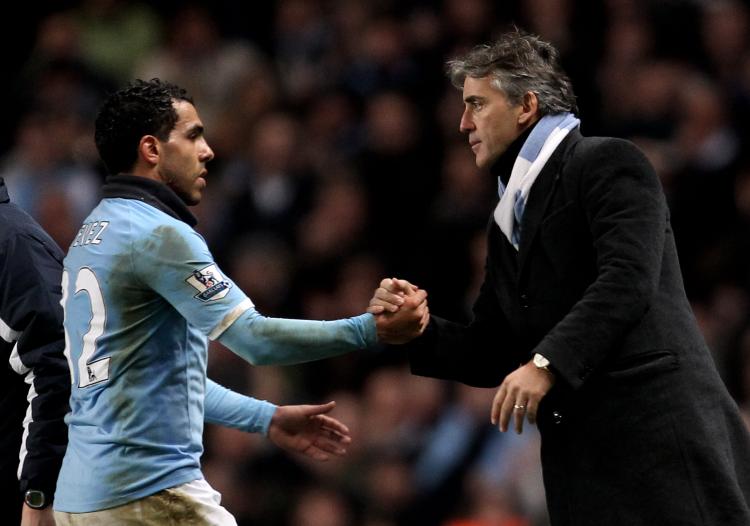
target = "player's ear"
x: 529, y: 108
x: 149, y: 149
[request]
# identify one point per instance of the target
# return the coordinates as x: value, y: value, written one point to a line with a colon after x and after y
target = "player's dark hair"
x: 140, y: 108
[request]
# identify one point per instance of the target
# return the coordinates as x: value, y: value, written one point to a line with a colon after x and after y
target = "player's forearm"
x: 278, y: 341
x: 230, y: 409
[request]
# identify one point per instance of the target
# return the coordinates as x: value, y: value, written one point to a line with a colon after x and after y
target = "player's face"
x: 182, y: 163
x: 489, y: 119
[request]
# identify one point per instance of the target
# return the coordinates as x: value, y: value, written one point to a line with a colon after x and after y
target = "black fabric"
x: 30, y: 292
x: 639, y: 429
x: 11, y: 501
x: 154, y: 193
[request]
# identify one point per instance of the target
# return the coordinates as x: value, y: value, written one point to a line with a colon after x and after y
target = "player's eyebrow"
x: 196, y: 130
x: 471, y: 99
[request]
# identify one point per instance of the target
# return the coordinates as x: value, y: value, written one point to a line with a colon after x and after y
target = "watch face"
x: 540, y: 361
x: 35, y: 499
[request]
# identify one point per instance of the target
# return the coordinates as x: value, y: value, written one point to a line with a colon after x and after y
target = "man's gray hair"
x: 518, y: 63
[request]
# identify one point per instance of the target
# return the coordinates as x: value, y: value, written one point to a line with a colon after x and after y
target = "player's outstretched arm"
x: 308, y: 430
x: 279, y: 341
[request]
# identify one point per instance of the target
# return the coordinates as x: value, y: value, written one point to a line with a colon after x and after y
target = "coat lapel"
x: 540, y: 196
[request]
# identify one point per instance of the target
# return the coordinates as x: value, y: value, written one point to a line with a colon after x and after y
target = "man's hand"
x: 390, y: 295
x: 32, y: 517
x: 400, y: 309
x: 519, y: 395
x: 306, y: 429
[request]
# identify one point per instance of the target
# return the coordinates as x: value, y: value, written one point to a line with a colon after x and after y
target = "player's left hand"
x: 308, y: 430
x: 519, y: 396
x: 32, y: 517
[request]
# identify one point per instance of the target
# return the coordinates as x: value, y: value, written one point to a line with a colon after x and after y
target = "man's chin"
x: 484, y: 162
x: 190, y: 199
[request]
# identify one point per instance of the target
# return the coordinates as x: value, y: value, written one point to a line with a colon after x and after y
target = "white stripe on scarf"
x: 541, y: 142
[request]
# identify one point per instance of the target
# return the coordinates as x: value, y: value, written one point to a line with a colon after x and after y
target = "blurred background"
x: 339, y: 162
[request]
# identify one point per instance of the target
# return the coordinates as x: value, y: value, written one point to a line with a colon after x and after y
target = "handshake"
x: 400, y: 310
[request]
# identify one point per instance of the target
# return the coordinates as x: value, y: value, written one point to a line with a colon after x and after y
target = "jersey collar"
x: 151, y: 192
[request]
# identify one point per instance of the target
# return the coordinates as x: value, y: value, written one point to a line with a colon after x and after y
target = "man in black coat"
x: 35, y: 384
x: 583, y: 288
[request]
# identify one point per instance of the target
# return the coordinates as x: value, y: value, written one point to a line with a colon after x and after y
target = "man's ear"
x: 149, y: 149
x: 529, y: 109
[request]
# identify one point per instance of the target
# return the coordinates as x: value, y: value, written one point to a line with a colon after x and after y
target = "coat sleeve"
x: 480, y: 354
x: 31, y: 316
x: 626, y: 212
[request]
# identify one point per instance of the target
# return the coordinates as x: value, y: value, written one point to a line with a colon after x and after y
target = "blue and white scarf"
x: 542, y: 141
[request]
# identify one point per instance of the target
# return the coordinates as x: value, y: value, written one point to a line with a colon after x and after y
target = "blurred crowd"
x: 339, y: 162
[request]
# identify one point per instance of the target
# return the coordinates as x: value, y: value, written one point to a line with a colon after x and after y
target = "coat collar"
x: 154, y: 193
x: 540, y: 194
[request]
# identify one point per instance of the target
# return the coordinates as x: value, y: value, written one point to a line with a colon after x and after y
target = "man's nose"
x: 466, y: 124
x: 207, y: 154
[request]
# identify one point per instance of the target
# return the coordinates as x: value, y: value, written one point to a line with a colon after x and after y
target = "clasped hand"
x: 400, y: 309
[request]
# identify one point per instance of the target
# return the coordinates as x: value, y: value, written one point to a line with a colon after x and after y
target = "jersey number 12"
x: 89, y: 372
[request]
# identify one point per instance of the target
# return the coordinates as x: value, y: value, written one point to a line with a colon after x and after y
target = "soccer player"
x: 141, y: 294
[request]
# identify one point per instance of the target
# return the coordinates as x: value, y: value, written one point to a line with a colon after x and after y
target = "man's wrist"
x: 36, y: 499
x: 543, y: 364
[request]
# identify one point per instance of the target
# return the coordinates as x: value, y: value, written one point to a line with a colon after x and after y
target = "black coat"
x: 638, y: 429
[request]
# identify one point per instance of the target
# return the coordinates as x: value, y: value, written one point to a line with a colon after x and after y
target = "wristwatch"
x: 541, y: 362
x: 35, y: 499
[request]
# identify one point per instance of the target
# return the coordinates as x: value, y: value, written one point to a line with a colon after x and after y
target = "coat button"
x: 557, y: 417
x: 524, y: 301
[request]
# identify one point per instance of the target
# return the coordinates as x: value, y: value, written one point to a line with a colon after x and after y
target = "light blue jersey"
x: 141, y: 294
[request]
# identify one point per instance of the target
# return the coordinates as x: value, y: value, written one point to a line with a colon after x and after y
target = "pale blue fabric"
x: 139, y: 399
x: 527, y: 157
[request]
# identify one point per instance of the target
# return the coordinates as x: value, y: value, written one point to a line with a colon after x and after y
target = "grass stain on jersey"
x: 123, y: 394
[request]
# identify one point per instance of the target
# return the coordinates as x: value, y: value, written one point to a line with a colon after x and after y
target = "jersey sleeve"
x: 278, y: 341
x: 230, y: 409
x: 174, y: 260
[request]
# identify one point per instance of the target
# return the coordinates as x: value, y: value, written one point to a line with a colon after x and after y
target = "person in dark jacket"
x: 35, y: 384
x: 583, y: 289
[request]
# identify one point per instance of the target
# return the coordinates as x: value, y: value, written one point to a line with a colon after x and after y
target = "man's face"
x: 183, y: 156
x: 489, y: 119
